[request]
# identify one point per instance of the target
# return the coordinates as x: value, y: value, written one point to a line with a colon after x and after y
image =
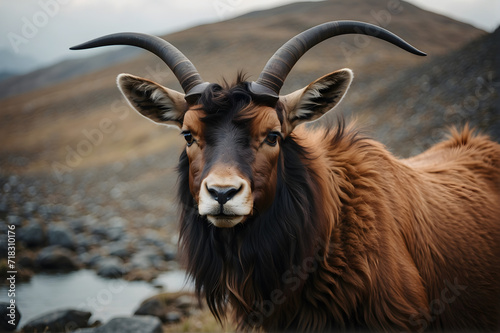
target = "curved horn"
x: 281, y: 63
x: 183, y: 69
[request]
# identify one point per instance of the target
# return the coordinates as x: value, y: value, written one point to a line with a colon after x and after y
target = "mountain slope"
x: 60, y: 72
x: 264, y: 31
x: 416, y: 109
x: 16, y: 63
x: 40, y: 125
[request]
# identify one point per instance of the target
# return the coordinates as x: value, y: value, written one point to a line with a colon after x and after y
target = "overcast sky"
x: 43, y: 29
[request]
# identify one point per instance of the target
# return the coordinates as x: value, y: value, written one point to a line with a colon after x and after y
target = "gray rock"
x: 13, y: 180
x: 145, y: 259
x: 82, y: 243
x: 153, y: 307
x: 116, y: 230
x: 117, y: 221
x: 100, y: 231
x: 173, y: 317
x: 90, y: 259
x: 169, y: 252
x: 153, y: 238
x: 115, y: 233
x: 30, y: 207
x: 4, y: 207
x: 45, y: 211
x: 9, y: 315
x: 15, y: 220
x: 119, y: 249
x: 56, y: 257
x: 77, y: 225
x: 3, y: 247
x: 169, y: 307
x: 58, y: 321
x: 62, y: 236
x: 135, y: 324
x: 186, y: 302
x: 111, y: 267
x: 32, y: 235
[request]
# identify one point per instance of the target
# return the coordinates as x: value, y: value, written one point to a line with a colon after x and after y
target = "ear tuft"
x: 319, y: 97
x: 155, y: 102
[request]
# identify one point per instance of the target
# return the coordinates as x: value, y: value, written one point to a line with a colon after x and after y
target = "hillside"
x: 218, y: 50
x: 415, y: 109
x: 241, y: 39
x: 13, y: 62
x: 13, y: 84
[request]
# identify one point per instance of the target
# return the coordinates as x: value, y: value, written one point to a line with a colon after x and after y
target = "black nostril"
x: 223, y: 194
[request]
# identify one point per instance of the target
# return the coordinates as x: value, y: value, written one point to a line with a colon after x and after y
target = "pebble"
x: 61, y: 235
x: 146, y: 258
x: 118, y: 249
x: 173, y: 317
x: 14, y: 220
x: 111, y: 267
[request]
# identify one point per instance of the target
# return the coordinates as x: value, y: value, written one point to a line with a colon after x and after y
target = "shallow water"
x: 85, y: 290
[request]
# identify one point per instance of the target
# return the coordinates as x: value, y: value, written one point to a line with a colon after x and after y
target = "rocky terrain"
x: 87, y: 183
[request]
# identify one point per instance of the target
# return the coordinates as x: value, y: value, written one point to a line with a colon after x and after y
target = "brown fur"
x: 405, y: 233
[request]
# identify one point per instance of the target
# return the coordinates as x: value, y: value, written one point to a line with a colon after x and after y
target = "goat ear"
x: 319, y: 97
x: 155, y: 102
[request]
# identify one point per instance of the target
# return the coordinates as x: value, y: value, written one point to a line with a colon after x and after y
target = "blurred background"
x: 90, y: 186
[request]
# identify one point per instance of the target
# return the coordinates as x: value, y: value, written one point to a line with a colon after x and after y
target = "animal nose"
x: 223, y: 194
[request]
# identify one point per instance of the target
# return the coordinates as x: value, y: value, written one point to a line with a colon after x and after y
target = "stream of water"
x: 85, y: 290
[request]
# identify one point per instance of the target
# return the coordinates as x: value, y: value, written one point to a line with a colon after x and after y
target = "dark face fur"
x: 232, y: 147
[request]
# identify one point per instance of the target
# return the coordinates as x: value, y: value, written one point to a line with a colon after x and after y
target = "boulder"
x: 77, y: 225
x: 58, y: 321
x: 119, y: 249
x: 56, y: 257
x: 62, y: 236
x: 14, y: 220
x: 146, y: 258
x: 32, y: 235
x: 116, y: 228
x: 111, y: 267
x: 168, y: 307
x: 29, y: 208
x: 9, y: 318
x: 90, y: 259
x: 135, y: 324
x: 99, y: 231
x: 153, y: 307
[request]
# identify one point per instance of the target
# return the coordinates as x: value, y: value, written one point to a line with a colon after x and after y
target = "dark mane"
x: 216, y: 100
x: 235, y: 262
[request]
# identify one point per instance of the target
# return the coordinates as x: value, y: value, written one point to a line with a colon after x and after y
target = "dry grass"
x: 200, y: 321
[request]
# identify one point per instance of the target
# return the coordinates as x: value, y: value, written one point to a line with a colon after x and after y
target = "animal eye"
x: 272, y: 138
x: 188, y: 137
